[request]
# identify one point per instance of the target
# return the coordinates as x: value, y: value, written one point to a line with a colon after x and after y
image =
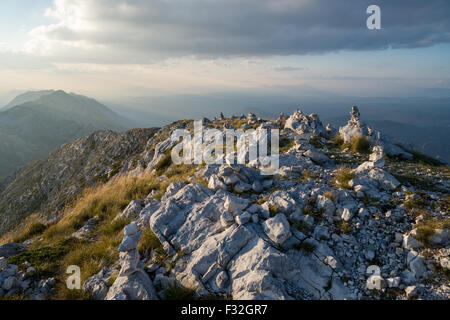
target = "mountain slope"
x: 45, y: 120
x: 45, y: 186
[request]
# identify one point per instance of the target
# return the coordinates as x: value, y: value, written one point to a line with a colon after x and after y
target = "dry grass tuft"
x: 343, y: 177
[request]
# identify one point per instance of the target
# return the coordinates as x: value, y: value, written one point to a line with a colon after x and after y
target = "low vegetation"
x: 316, y: 142
x: 58, y: 249
x: 176, y: 291
x: 330, y: 195
x: 424, y: 159
x: 359, y: 144
x: 45, y: 260
x: 427, y: 228
x: 273, y: 209
x: 416, y: 181
x: 32, y: 230
x: 343, y: 177
x: 337, y: 141
x: 345, y: 227
x: 150, y: 242
x: 164, y: 163
x: 286, y: 144
x: 415, y: 203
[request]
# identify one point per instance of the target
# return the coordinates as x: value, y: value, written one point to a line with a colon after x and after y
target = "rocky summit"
x: 350, y: 214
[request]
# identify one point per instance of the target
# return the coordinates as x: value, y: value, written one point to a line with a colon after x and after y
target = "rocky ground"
x: 350, y: 215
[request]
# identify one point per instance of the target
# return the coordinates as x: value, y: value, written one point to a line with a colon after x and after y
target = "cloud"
x: 289, y: 69
x: 143, y: 31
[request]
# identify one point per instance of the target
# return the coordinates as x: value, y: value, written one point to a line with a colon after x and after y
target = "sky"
x: 112, y: 48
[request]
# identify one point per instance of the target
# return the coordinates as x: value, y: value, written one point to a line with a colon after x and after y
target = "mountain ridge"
x: 144, y: 228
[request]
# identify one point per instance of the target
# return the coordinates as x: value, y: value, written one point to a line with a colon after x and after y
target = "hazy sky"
x: 113, y: 48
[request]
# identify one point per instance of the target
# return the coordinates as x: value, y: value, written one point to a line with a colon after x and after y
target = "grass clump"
x: 343, y: 177
x: 30, y: 232
x: 427, y: 228
x: 359, y: 144
x: 92, y: 257
x: 286, y: 144
x: 149, y: 242
x: 301, y: 226
x: 337, y: 141
x: 178, y: 292
x: 45, y: 260
x: 306, y: 175
x: 330, y: 195
x: 164, y: 163
x: 315, y: 142
x: 273, y: 209
x: 415, y: 203
x: 345, y: 227
x: 104, y: 201
x: 63, y: 293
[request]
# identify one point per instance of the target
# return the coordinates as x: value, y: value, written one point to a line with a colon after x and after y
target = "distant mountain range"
x: 35, y: 123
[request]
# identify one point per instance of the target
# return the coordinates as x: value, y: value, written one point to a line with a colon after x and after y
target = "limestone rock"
x: 277, y: 228
x: 137, y: 286
x: 409, y: 242
x: 235, y: 204
x: 11, y: 249
x: 131, y: 212
x: 441, y: 238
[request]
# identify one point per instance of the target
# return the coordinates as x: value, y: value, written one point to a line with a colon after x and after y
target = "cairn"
x: 132, y: 283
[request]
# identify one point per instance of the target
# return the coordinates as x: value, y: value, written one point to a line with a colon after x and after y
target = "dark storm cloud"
x: 256, y: 27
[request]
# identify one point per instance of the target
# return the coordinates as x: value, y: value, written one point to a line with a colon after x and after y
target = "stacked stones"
x: 132, y: 283
x: 252, y: 119
x: 281, y: 120
x: 128, y: 252
x: 354, y: 120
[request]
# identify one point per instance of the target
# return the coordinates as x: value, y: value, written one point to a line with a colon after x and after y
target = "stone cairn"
x: 354, y: 120
x: 252, y: 119
x: 281, y: 120
x: 132, y: 283
x: 128, y: 252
